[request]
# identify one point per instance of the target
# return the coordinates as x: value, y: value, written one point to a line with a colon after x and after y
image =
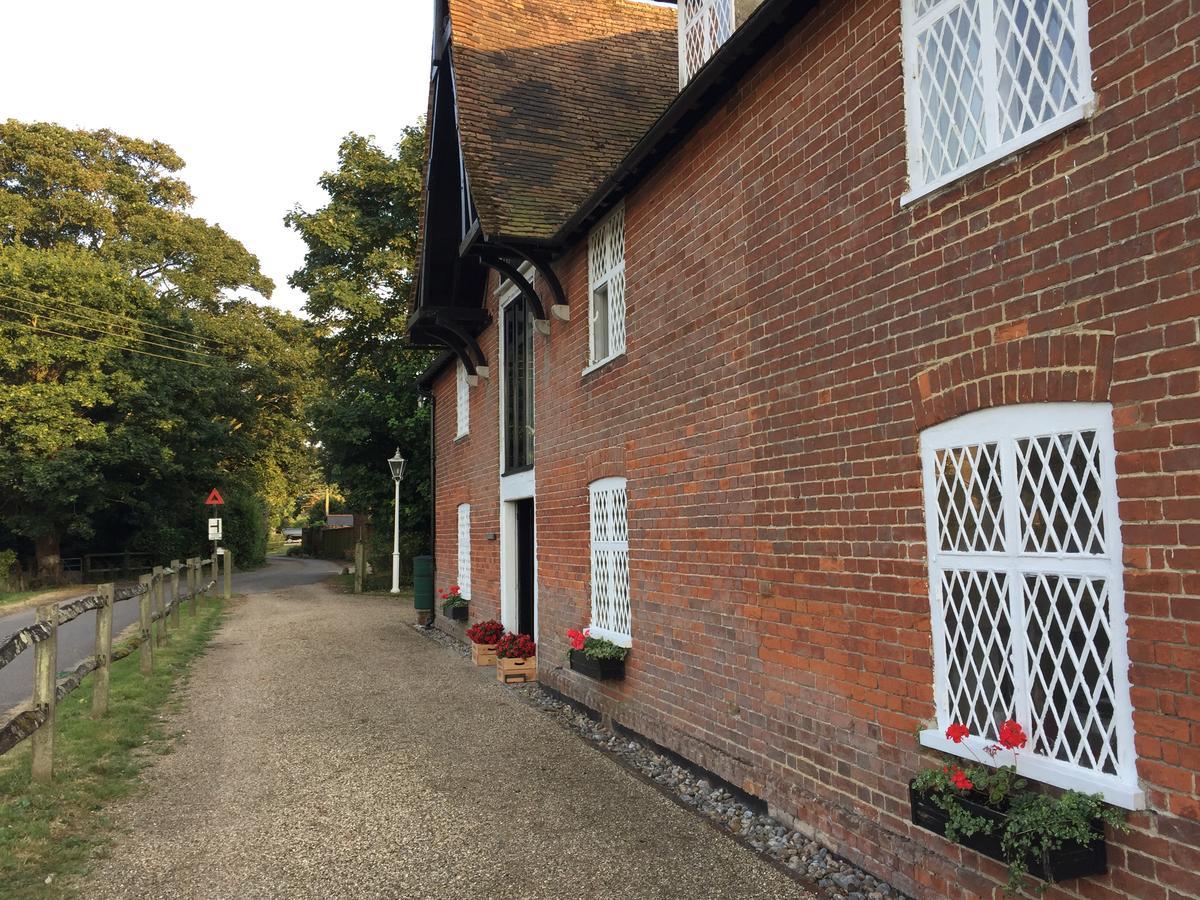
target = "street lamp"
x: 396, y: 464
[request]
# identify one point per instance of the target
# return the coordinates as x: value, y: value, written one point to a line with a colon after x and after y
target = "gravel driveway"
x: 332, y: 751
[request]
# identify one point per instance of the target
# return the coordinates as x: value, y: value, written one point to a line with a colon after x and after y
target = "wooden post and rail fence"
x: 159, y: 603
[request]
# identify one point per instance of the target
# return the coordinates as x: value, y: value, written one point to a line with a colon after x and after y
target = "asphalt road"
x: 76, y: 639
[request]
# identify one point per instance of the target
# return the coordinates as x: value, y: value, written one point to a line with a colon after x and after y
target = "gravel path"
x: 332, y: 751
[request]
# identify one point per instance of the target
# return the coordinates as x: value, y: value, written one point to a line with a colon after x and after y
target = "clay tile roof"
x: 551, y: 96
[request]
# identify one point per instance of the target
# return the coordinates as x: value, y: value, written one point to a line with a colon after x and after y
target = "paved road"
x: 333, y: 751
x: 76, y: 639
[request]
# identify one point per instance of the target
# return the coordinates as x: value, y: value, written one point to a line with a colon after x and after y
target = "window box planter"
x: 457, y: 612
x: 1071, y: 860
x: 483, y: 654
x: 600, y: 669
x: 516, y: 671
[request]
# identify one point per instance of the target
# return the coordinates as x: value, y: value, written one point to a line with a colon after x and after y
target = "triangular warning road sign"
x: 215, y: 499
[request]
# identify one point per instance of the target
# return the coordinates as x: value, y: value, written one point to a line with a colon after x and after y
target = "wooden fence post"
x: 227, y: 565
x: 192, y: 582
x: 175, y: 593
x: 160, y: 583
x: 147, y: 648
x: 360, y: 560
x: 45, y: 665
x: 103, y: 651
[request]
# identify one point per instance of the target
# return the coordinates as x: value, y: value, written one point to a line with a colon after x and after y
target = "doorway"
x: 526, y: 598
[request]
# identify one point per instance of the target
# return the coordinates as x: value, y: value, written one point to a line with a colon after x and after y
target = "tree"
x: 133, y: 380
x: 357, y: 274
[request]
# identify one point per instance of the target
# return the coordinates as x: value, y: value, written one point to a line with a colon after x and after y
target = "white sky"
x: 254, y: 95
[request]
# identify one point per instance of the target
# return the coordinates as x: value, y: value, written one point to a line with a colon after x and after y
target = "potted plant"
x: 483, y: 637
x: 516, y: 659
x: 596, y: 657
x: 997, y: 813
x: 454, y: 604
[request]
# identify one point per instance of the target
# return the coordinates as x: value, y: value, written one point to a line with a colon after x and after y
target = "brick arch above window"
x: 608, y: 462
x: 1067, y: 367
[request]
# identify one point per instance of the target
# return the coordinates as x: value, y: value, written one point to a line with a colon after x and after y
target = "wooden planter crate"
x: 483, y: 654
x: 516, y: 671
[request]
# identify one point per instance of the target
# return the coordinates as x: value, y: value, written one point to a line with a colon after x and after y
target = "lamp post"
x: 396, y: 464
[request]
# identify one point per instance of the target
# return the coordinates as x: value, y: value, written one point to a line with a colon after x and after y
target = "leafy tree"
x: 357, y: 274
x: 133, y: 383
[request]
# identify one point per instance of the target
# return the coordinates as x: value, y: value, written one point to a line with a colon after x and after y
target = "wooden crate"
x: 483, y: 654
x: 516, y: 671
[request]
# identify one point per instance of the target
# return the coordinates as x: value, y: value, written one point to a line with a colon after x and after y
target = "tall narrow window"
x: 463, y: 401
x: 606, y: 280
x: 464, y: 550
x: 610, y: 560
x: 986, y: 77
x: 1025, y: 585
x: 518, y: 386
x: 704, y: 25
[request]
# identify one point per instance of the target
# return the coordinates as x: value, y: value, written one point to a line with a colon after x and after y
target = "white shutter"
x: 464, y: 550
x: 608, y: 505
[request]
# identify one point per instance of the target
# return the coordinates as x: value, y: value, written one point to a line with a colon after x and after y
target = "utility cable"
x: 77, y: 337
x: 124, y: 318
x: 60, y: 320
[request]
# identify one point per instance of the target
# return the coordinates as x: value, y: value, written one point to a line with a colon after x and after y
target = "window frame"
x: 1005, y: 426
x: 995, y: 149
x: 605, y: 485
x: 606, y: 279
x: 462, y: 394
x: 728, y: 13
x: 464, y: 550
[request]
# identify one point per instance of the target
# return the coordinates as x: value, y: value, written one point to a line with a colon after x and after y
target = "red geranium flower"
x: 488, y: 632
x: 961, y: 781
x: 576, y: 638
x: 957, y: 732
x: 1012, y: 735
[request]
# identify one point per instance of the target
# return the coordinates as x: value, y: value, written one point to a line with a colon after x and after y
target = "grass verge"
x: 376, y: 583
x: 52, y: 831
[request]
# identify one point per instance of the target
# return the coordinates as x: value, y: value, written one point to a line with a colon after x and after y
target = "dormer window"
x: 704, y: 25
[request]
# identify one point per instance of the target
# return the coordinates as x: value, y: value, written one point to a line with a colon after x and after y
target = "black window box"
x: 601, y: 669
x: 1071, y: 860
x: 456, y: 612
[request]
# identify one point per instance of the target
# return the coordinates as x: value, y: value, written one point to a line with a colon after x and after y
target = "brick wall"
x: 791, y: 330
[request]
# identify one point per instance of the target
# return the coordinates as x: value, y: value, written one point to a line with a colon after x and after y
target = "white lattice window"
x: 610, y: 560
x: 704, y: 25
x: 987, y: 77
x: 463, y: 402
x: 1025, y: 585
x: 606, y: 282
x: 464, y: 550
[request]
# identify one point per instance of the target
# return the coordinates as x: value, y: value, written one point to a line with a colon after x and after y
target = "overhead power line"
x: 123, y: 318
x: 127, y: 349
x: 62, y: 320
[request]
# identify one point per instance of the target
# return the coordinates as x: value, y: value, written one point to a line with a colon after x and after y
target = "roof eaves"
x: 690, y: 108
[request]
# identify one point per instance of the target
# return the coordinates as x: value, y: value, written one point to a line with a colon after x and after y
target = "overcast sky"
x: 253, y: 94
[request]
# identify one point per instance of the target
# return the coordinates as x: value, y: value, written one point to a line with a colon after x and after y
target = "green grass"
x: 12, y: 597
x: 376, y: 583
x: 55, y: 829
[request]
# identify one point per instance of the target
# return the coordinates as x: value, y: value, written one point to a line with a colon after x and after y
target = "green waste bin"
x: 423, y: 583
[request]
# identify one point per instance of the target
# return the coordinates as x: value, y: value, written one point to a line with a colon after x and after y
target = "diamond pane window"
x: 987, y: 77
x: 463, y: 398
x: 606, y: 279
x: 464, y: 549
x: 704, y: 25
x: 1026, y: 592
x: 610, y: 560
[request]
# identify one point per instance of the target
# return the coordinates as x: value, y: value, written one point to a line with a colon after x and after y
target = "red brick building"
x: 845, y: 366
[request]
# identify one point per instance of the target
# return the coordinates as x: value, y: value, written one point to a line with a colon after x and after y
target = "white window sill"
x: 602, y: 363
x: 1058, y: 123
x: 621, y: 640
x: 1041, y: 768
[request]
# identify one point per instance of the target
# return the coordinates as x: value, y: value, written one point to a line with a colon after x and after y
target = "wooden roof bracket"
x: 505, y: 258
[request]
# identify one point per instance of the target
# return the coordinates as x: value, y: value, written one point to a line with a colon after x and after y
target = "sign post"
x: 215, y: 532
